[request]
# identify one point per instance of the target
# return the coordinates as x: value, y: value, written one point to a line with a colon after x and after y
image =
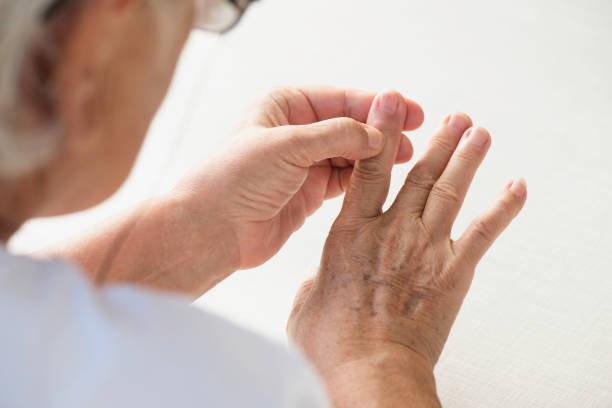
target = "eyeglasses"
x: 217, y: 16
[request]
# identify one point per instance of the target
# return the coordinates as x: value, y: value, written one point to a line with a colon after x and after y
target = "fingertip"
x: 388, y: 112
x: 391, y: 102
x: 461, y: 121
x: 369, y: 185
x: 478, y: 137
x: 415, y: 116
x: 518, y: 188
x: 405, y: 151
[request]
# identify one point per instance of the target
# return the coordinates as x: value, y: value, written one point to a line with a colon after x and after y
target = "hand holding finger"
x: 398, y: 279
x: 370, y: 181
x: 347, y: 138
x: 306, y: 105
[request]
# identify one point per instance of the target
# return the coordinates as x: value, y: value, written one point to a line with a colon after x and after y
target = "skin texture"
x: 391, y: 284
x: 304, y: 143
x: 298, y: 149
x: 375, y: 318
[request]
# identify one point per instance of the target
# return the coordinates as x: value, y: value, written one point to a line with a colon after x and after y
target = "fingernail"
x: 519, y: 188
x: 375, y: 138
x: 388, y: 102
x: 459, y: 121
x: 478, y: 137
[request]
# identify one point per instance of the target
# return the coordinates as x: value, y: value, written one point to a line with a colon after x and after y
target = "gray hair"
x: 22, y: 148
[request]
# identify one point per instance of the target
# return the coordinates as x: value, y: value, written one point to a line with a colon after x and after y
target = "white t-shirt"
x: 67, y: 344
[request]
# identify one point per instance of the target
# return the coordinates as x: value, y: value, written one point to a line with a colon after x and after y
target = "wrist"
x: 203, y: 244
x: 395, y: 377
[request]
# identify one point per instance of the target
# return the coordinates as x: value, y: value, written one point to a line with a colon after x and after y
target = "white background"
x: 536, y: 328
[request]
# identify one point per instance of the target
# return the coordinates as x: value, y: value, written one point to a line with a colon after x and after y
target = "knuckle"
x: 426, y: 232
x: 439, y: 144
x: 346, y: 126
x: 466, y: 158
x: 371, y: 170
x: 272, y: 106
x: 277, y: 91
x: 344, y: 227
x: 293, y: 145
x: 445, y: 191
x: 419, y: 179
x: 483, y: 230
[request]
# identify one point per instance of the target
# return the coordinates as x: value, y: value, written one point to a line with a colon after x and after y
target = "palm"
x: 264, y: 231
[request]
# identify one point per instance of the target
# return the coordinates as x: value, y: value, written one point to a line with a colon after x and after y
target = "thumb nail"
x: 388, y: 102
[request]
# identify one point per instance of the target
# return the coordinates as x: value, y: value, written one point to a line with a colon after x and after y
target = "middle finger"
x: 427, y: 170
x: 449, y: 192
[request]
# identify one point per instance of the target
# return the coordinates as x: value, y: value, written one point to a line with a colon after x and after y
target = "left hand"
x: 376, y: 317
x: 299, y: 150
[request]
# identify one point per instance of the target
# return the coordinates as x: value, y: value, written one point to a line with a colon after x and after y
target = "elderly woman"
x: 80, y: 82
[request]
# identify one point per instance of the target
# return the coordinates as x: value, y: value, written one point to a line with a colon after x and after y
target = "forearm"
x: 384, y: 380
x: 167, y: 243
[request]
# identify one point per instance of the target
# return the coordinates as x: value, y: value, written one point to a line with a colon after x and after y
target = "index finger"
x: 305, y: 105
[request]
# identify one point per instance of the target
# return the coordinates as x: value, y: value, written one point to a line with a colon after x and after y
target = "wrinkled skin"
x: 394, y: 282
x: 297, y: 148
x: 376, y: 317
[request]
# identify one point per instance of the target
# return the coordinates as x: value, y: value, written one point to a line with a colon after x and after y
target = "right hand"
x: 391, y: 284
x: 298, y: 149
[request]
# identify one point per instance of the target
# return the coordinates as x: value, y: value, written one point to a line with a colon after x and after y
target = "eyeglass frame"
x: 240, y: 5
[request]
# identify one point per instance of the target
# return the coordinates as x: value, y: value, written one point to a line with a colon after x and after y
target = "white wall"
x: 536, y: 328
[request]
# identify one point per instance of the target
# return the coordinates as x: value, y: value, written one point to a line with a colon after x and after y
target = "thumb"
x: 371, y: 178
x: 339, y: 137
